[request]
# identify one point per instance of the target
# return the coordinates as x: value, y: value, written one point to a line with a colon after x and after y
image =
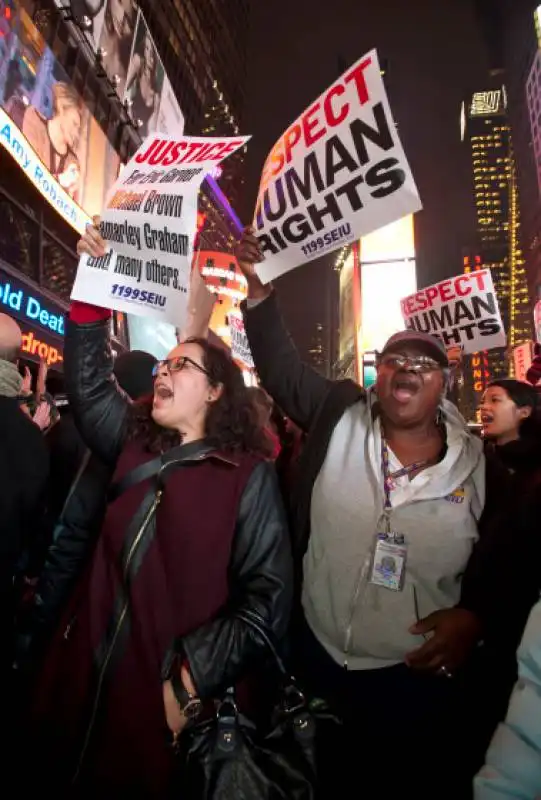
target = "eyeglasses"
x: 176, y: 365
x: 420, y: 364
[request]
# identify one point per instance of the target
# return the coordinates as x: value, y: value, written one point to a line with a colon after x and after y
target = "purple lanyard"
x: 389, y: 476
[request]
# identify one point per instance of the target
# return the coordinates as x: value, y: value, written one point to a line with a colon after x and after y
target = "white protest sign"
x: 461, y: 311
x: 150, y: 219
x: 336, y: 174
x: 240, y: 349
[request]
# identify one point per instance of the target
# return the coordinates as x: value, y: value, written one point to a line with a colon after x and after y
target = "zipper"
x: 69, y: 627
x: 116, y: 633
x: 353, y: 605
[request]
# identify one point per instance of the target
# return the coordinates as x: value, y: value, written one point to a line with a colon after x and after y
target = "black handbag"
x: 228, y: 757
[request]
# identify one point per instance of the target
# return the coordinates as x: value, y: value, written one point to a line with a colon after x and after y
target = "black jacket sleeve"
x: 297, y: 388
x: 261, y: 584
x: 100, y: 407
x: 74, y: 537
x: 501, y: 582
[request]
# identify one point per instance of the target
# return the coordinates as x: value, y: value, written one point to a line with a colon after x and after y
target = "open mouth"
x: 162, y: 392
x: 404, y: 388
x: 487, y: 418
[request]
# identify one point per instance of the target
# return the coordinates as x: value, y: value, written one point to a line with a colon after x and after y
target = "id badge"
x: 389, y: 564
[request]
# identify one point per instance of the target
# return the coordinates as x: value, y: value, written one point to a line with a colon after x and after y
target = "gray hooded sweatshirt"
x: 362, y: 625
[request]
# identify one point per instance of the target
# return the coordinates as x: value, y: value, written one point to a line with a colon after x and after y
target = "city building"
x: 513, y: 36
x: 473, y: 373
x: 375, y: 275
x: 87, y: 63
x: 203, y: 45
x: 485, y: 127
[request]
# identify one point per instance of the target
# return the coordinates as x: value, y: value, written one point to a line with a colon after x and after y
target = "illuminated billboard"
x: 487, y: 104
x: 388, y: 273
x: 117, y: 31
x: 224, y: 278
x: 347, y: 316
x: 45, y: 125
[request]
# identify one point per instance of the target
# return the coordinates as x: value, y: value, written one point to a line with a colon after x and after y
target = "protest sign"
x: 522, y: 358
x: 461, y: 311
x: 337, y: 173
x: 240, y: 349
x: 150, y: 219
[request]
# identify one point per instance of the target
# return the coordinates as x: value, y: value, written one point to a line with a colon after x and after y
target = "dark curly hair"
x: 232, y: 422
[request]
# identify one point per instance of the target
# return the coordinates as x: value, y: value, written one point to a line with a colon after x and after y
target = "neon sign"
x: 33, y: 346
x: 20, y: 303
x: 485, y: 104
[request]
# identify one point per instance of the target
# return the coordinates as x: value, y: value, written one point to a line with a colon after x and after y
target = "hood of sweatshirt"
x: 462, y: 460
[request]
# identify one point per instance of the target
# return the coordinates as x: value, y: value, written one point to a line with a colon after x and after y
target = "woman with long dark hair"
x: 510, y: 418
x: 194, y: 538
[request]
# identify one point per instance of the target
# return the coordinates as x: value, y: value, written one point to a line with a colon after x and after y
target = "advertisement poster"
x: 150, y: 219
x: 113, y: 30
x: 461, y: 311
x: 129, y: 57
x: 336, y: 174
x: 47, y: 128
x: 145, y: 80
x: 240, y: 349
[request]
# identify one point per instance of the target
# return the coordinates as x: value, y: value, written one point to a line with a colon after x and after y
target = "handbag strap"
x: 183, y: 452
x: 268, y: 639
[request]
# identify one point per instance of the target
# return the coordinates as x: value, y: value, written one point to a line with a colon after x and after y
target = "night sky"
x: 436, y: 57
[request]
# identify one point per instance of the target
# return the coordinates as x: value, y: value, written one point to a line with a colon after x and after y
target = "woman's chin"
x: 159, y: 415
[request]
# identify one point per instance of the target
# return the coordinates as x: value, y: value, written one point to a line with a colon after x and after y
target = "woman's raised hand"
x: 91, y: 242
x: 248, y: 253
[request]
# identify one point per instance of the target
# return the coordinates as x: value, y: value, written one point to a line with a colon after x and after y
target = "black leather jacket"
x: 261, y: 564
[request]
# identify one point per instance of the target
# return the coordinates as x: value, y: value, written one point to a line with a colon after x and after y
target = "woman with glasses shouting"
x: 194, y: 539
x: 385, y: 517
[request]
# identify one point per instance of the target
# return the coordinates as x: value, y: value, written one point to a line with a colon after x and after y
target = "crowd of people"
x: 170, y: 522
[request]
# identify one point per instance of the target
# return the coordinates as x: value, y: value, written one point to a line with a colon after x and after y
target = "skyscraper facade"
x: 513, y: 36
x: 203, y: 45
x: 485, y: 127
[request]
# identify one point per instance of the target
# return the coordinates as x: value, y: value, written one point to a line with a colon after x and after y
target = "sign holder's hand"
x: 248, y: 253
x: 91, y: 242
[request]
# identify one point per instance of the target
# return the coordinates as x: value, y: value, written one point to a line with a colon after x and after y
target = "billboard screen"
x: 46, y: 126
x: 382, y: 288
x: 224, y: 278
x: 387, y: 271
x: 129, y: 57
x: 347, y: 314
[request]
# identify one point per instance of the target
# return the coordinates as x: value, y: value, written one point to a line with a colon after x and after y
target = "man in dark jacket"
x: 23, y: 475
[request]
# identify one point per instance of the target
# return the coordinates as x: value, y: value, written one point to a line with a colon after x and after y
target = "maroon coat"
x: 216, y: 545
